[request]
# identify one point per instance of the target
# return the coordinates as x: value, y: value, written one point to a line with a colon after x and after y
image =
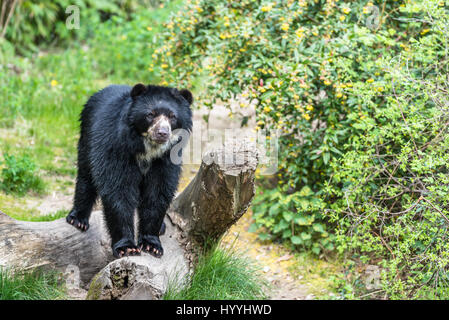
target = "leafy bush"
x: 18, y: 175
x: 362, y: 139
x: 298, y: 61
x: 392, y: 184
x: 278, y: 212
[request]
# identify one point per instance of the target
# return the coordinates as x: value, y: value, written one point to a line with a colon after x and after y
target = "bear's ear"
x: 187, y: 95
x: 137, y: 90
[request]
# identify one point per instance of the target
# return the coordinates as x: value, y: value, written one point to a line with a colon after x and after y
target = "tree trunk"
x: 216, y: 198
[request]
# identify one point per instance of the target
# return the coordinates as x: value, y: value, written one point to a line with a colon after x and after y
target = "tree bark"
x: 217, y: 197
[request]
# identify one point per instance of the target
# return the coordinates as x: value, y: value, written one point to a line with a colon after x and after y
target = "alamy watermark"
x: 199, y: 145
x: 73, y: 18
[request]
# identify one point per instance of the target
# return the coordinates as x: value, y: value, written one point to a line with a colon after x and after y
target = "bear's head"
x: 156, y: 112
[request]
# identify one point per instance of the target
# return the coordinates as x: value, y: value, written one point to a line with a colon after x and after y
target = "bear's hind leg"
x: 85, y: 197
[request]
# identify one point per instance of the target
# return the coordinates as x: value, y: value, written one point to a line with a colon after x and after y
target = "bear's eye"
x: 172, y: 115
x: 152, y: 113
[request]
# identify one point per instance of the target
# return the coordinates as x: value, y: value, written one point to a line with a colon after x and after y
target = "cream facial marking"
x: 160, y: 129
x: 154, y: 149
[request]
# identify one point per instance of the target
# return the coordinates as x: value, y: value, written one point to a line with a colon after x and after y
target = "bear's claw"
x: 151, y: 245
x: 79, y: 223
x: 124, y: 248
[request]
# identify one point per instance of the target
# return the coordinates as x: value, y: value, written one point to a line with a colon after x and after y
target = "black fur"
x: 112, y: 123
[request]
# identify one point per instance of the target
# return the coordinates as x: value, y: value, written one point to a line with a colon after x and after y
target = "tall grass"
x: 30, y: 285
x: 221, y: 274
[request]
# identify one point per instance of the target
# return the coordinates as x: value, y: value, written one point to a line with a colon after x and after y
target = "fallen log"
x: 216, y: 198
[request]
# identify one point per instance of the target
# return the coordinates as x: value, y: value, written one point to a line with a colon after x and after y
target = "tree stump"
x: 216, y: 198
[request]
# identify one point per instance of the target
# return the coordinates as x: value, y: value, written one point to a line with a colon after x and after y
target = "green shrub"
x: 19, y: 175
x: 340, y: 81
x: 392, y: 184
x: 277, y: 212
x: 298, y: 61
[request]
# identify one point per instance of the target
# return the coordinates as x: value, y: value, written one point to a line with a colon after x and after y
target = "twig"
x: 8, y: 18
x: 368, y: 294
x: 386, y: 244
x: 431, y: 204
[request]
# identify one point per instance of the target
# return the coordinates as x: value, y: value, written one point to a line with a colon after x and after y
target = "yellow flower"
x: 306, y: 116
x: 267, y: 109
x: 309, y: 107
x: 164, y: 66
x: 370, y: 80
x: 267, y: 8
x: 54, y: 83
x: 149, y: 28
x: 425, y: 31
x: 285, y: 26
x: 342, y: 18
x: 346, y: 10
x: 327, y: 82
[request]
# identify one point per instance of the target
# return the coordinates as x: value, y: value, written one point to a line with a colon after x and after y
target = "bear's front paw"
x: 76, y: 221
x: 152, y: 245
x: 125, y: 247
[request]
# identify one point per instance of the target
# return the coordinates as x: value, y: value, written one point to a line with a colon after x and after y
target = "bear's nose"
x: 162, y: 133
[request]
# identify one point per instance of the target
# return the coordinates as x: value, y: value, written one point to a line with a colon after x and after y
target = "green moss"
x: 94, y: 289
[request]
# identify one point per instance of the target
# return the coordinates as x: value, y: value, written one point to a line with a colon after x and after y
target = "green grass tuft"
x: 30, y: 285
x: 221, y: 274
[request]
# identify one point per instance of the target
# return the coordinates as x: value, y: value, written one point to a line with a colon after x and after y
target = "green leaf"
x: 296, y: 240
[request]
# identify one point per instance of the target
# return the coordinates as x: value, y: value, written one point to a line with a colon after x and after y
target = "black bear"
x: 124, y: 158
